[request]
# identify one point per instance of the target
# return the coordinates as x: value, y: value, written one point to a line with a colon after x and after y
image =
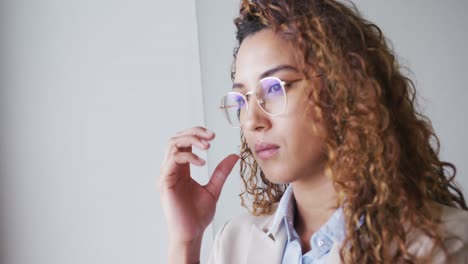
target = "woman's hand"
x: 189, y: 207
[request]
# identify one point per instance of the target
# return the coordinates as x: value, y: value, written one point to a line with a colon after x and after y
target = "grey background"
x: 92, y: 90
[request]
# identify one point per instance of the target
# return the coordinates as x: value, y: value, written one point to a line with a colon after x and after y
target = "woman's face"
x: 293, y: 150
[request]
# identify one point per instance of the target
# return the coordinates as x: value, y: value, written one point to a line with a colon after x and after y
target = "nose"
x: 255, y: 118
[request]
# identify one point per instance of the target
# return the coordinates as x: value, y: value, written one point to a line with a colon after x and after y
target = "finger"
x: 170, y: 165
x: 188, y: 157
x: 220, y: 175
x: 185, y: 143
x: 170, y: 172
x: 198, y: 131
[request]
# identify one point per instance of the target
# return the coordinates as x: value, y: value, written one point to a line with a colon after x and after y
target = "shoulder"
x: 453, y: 228
x: 233, y: 238
x: 244, y: 222
x: 453, y: 222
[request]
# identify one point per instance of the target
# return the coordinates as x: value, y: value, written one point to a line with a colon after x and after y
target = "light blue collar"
x: 333, y: 230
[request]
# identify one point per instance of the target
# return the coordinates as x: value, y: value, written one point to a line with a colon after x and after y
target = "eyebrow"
x: 283, y: 67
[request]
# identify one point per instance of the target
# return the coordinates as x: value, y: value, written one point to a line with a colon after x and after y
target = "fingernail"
x: 208, y: 133
x: 204, y: 142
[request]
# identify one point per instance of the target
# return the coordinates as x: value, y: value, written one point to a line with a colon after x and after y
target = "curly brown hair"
x: 382, y: 154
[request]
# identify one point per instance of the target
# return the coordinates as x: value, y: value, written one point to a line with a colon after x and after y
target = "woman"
x: 338, y: 164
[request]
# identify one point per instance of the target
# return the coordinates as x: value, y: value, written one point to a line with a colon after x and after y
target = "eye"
x: 274, y: 88
x: 240, y: 101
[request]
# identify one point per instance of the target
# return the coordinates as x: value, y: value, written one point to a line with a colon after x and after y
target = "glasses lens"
x: 272, y: 95
x: 233, y: 105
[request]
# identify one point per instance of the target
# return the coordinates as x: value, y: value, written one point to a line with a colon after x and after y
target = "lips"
x: 266, y: 150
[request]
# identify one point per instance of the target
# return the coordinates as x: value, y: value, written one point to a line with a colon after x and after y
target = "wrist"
x: 187, y: 252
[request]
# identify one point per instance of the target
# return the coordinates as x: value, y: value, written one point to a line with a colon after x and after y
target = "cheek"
x: 308, y: 105
x: 306, y: 143
x: 301, y: 114
x: 304, y: 127
x: 312, y: 118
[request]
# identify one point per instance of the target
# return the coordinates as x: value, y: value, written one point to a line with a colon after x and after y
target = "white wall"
x: 90, y: 92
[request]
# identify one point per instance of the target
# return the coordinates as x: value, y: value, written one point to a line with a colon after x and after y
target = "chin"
x: 277, y: 176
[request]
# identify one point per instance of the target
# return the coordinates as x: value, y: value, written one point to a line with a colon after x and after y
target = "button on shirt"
x: 333, y: 231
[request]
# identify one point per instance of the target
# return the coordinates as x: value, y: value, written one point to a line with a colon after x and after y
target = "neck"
x: 316, y: 201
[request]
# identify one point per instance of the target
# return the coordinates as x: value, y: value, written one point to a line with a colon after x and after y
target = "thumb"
x: 220, y: 175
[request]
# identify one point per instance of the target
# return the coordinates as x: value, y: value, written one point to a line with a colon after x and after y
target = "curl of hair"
x: 382, y: 154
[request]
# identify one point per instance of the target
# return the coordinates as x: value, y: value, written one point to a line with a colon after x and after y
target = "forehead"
x: 261, y: 52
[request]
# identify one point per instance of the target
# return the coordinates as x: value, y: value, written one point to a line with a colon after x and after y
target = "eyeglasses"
x: 271, y: 98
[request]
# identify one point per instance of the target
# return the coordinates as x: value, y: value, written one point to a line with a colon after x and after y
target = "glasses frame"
x: 258, y: 100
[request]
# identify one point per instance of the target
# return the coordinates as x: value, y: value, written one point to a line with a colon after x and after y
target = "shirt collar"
x: 285, y: 206
x: 334, y: 228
